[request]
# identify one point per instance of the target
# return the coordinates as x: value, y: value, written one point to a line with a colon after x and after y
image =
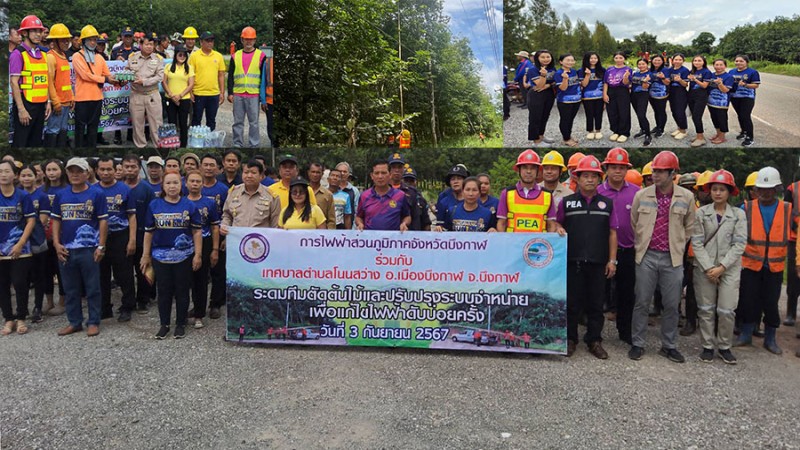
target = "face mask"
x: 91, y: 47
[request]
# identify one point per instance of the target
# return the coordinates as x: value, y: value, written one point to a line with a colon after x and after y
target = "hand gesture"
x: 543, y: 72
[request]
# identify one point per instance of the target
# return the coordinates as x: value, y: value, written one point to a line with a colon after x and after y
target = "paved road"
x: 776, y: 118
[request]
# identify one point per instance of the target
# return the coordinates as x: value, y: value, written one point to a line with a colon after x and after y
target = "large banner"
x: 468, y: 291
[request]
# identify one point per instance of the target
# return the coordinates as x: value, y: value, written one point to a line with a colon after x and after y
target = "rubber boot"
x: 770, y: 342
x: 61, y: 141
x: 50, y: 140
x: 745, y: 335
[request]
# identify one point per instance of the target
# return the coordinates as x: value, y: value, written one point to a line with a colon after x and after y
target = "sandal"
x: 8, y: 328
x: 22, y: 327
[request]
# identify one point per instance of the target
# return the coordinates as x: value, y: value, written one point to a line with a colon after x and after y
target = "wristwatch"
x: 102, y: 248
x: 613, y: 261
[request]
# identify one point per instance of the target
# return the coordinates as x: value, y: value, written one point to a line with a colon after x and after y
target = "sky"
x: 468, y: 19
x: 670, y: 21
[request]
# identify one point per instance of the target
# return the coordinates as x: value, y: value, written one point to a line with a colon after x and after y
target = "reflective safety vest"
x: 762, y: 248
x: 34, y: 78
x: 795, y: 211
x: 247, y: 82
x: 405, y: 142
x: 268, y: 78
x: 62, y: 80
x: 527, y: 215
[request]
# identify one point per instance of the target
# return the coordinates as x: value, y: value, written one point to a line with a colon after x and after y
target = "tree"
x: 646, y: 42
x: 604, y: 43
x: 582, y: 38
x: 703, y: 43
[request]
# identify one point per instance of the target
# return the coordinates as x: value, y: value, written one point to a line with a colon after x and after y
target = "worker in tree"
x: 405, y: 139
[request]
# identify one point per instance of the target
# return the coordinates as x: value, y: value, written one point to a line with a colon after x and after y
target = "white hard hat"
x: 768, y: 177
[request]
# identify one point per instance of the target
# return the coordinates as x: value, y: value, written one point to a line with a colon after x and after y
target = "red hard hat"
x: 30, y: 23
x: 722, y: 176
x: 617, y: 155
x: 574, y: 159
x: 588, y: 163
x: 634, y: 177
x: 527, y: 157
x: 666, y: 160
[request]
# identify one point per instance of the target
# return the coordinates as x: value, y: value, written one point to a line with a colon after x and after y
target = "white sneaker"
x: 622, y: 138
x: 613, y: 137
x: 674, y: 133
x: 198, y: 323
x: 598, y: 135
x: 680, y: 136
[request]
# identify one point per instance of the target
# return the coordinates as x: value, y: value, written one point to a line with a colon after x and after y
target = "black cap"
x: 127, y: 31
x: 179, y: 49
x: 396, y: 158
x: 153, y: 36
x: 206, y: 35
x: 457, y: 170
x: 287, y: 158
x: 298, y: 181
x: 409, y: 172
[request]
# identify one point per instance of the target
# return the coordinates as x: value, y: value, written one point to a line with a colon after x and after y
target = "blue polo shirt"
x: 139, y: 198
x: 15, y: 211
x: 573, y: 92
x: 80, y: 214
x: 638, y: 79
x: 218, y: 193
x: 682, y: 71
x: 749, y: 76
x: 491, y: 203
x: 155, y: 187
x: 208, y: 214
x: 703, y: 75
x: 171, y: 225
x: 37, y: 198
x: 658, y: 89
x: 594, y: 88
x: 117, y: 205
x: 479, y: 219
x: 717, y: 98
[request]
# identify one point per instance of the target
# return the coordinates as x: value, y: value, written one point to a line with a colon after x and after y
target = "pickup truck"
x: 469, y: 336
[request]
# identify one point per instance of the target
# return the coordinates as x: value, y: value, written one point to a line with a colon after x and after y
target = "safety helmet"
x: 750, y: 181
x: 647, y: 170
x: 703, y: 179
x: 30, y: 23
x: 89, y: 32
x: 617, y: 155
x: 527, y: 157
x: 59, y: 31
x: 588, y: 163
x: 573, y: 160
x: 553, y: 158
x: 768, y: 177
x: 190, y: 33
x: 249, y: 33
x: 634, y: 177
x: 721, y: 176
x: 687, y: 180
x: 666, y: 160
x: 406, y: 134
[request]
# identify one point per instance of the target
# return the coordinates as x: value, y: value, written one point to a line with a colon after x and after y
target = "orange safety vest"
x: 63, y: 80
x: 34, y: 78
x: 527, y: 215
x: 405, y: 142
x: 268, y: 62
x: 795, y: 211
x: 761, y: 247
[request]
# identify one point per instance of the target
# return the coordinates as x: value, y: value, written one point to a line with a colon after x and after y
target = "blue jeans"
x: 80, y: 270
x: 57, y: 122
x: 209, y: 104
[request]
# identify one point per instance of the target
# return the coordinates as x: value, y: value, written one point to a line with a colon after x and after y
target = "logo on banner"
x: 254, y: 248
x: 538, y: 253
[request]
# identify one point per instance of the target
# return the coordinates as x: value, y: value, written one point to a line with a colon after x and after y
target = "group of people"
x: 617, y: 89
x: 193, y: 84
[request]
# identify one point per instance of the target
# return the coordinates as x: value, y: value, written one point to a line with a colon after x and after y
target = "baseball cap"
x: 396, y: 158
x: 155, y: 160
x: 80, y: 163
x: 206, y: 35
x: 287, y: 158
x: 127, y: 31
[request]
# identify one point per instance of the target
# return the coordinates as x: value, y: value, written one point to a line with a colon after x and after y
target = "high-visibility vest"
x: 268, y: 75
x: 527, y: 215
x: 62, y: 80
x: 247, y: 82
x: 795, y: 211
x: 34, y: 78
x: 761, y: 247
x: 405, y: 142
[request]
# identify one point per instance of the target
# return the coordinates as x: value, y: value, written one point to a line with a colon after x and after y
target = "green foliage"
x: 780, y: 69
x: 703, y: 44
x: 776, y: 40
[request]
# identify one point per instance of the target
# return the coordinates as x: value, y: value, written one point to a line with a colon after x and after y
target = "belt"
x: 145, y: 92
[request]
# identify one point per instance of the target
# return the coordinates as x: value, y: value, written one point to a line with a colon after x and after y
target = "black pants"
x: 639, y: 102
x: 623, y: 288
x: 760, y: 293
x: 506, y: 104
x: 524, y: 91
x: 116, y: 260
x: 619, y: 110
x: 200, y: 281
x: 792, y: 282
x: 218, y: 281
x: 173, y: 281
x: 179, y: 115
x: 744, y: 112
x: 677, y: 104
x: 38, y: 276
x: 719, y: 117
x: 567, y: 113
x: 585, y: 292
x: 144, y: 291
x: 29, y: 135
x: 14, y: 272
x: 698, y: 99
x: 539, y: 106
x: 87, y: 120
x: 659, y: 106
x: 270, y: 126
x: 594, y: 114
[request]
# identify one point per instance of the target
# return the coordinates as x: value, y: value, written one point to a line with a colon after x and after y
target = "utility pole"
x: 433, y: 102
x: 400, y: 58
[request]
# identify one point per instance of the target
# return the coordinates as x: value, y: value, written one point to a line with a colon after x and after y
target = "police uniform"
x: 145, y: 98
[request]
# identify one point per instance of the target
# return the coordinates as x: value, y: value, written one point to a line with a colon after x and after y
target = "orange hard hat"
x: 248, y: 33
x: 617, y: 155
x: 30, y: 23
x: 527, y: 157
x: 634, y: 177
x: 722, y: 176
x: 666, y: 160
x: 588, y: 163
x: 573, y: 160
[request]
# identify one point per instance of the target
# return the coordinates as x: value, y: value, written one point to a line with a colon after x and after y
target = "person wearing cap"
x: 243, y: 89
x: 348, y: 187
x: 208, y: 92
x: 552, y: 168
x: 591, y: 227
x: 126, y: 48
x: 189, y: 162
x: 522, y: 67
x: 572, y: 163
x: 75, y: 45
x: 718, y: 240
x: 190, y: 39
x: 342, y: 205
x: 148, y: 69
x: 397, y: 166
x: 323, y: 196
x: 287, y: 169
x: 102, y: 44
x: 174, y: 41
x: 768, y: 223
x: 30, y: 84
x: 62, y: 99
x: 647, y: 174
x: 139, y: 197
x: 382, y: 207
x: 620, y: 292
x: 155, y: 174
x: 299, y: 213
x: 453, y: 194
x: 80, y: 229
x: 662, y: 217
x: 526, y: 207
x: 792, y: 280
x: 410, y: 180
x: 218, y: 193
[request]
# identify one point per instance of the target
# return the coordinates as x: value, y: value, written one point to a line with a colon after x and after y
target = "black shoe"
x: 741, y: 136
x: 688, y: 328
x: 747, y: 141
x: 162, y: 332
x: 214, y: 313
x: 707, y: 355
x: 636, y: 353
x: 658, y: 132
x: 647, y: 140
x: 141, y: 308
x: 180, y: 332
x: 789, y: 322
x: 117, y: 141
x: 107, y: 314
x: 37, y: 315
x: 124, y: 316
x: 672, y: 354
x: 758, y: 332
x: 639, y: 134
x: 726, y: 356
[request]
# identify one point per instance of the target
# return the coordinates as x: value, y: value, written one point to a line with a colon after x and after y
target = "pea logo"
x: 537, y: 253
x: 254, y: 248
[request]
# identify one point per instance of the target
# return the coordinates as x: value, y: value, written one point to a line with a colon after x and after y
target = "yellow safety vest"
x: 527, y: 215
x: 34, y: 78
x: 247, y: 82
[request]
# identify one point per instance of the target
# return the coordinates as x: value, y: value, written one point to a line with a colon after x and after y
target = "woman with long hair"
x: 592, y: 72
x: 55, y: 178
x: 659, y: 93
x: 641, y: 80
x: 568, y: 98
x: 678, y: 98
x: 699, y: 78
x: 27, y: 181
x: 617, y: 95
x: 718, y: 99
x: 743, y: 98
x: 178, y: 83
x: 541, y: 96
x: 300, y: 214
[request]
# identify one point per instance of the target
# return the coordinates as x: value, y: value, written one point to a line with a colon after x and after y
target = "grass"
x: 472, y: 142
x: 778, y: 69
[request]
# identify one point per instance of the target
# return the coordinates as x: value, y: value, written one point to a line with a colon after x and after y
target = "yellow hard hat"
x: 751, y: 180
x: 406, y: 134
x: 553, y: 158
x: 190, y: 33
x: 703, y: 179
x: 59, y: 31
x: 647, y: 170
x: 89, y: 32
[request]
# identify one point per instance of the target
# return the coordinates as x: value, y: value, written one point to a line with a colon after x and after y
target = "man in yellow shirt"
x: 287, y: 169
x: 209, y: 81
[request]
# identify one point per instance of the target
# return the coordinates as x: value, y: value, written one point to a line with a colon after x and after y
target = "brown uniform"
x: 145, y: 98
x: 259, y: 209
x: 325, y: 203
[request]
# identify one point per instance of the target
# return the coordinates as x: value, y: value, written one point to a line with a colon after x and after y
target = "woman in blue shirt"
x: 568, y: 97
x: 55, y: 178
x: 210, y: 220
x: 469, y: 215
x: 27, y: 181
x: 641, y: 81
x: 678, y: 98
x: 659, y: 92
x: 718, y: 99
x: 541, y: 96
x: 743, y: 98
x: 617, y: 94
x: 172, y: 236
x: 699, y: 77
x: 592, y: 72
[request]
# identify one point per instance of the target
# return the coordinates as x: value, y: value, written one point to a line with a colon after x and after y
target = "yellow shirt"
x: 282, y: 192
x: 178, y: 81
x: 316, y: 219
x: 206, y: 70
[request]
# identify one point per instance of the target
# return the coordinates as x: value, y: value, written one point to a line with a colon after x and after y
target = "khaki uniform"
x: 145, y: 98
x: 726, y: 248
x: 325, y: 203
x: 560, y: 192
x: 259, y: 209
